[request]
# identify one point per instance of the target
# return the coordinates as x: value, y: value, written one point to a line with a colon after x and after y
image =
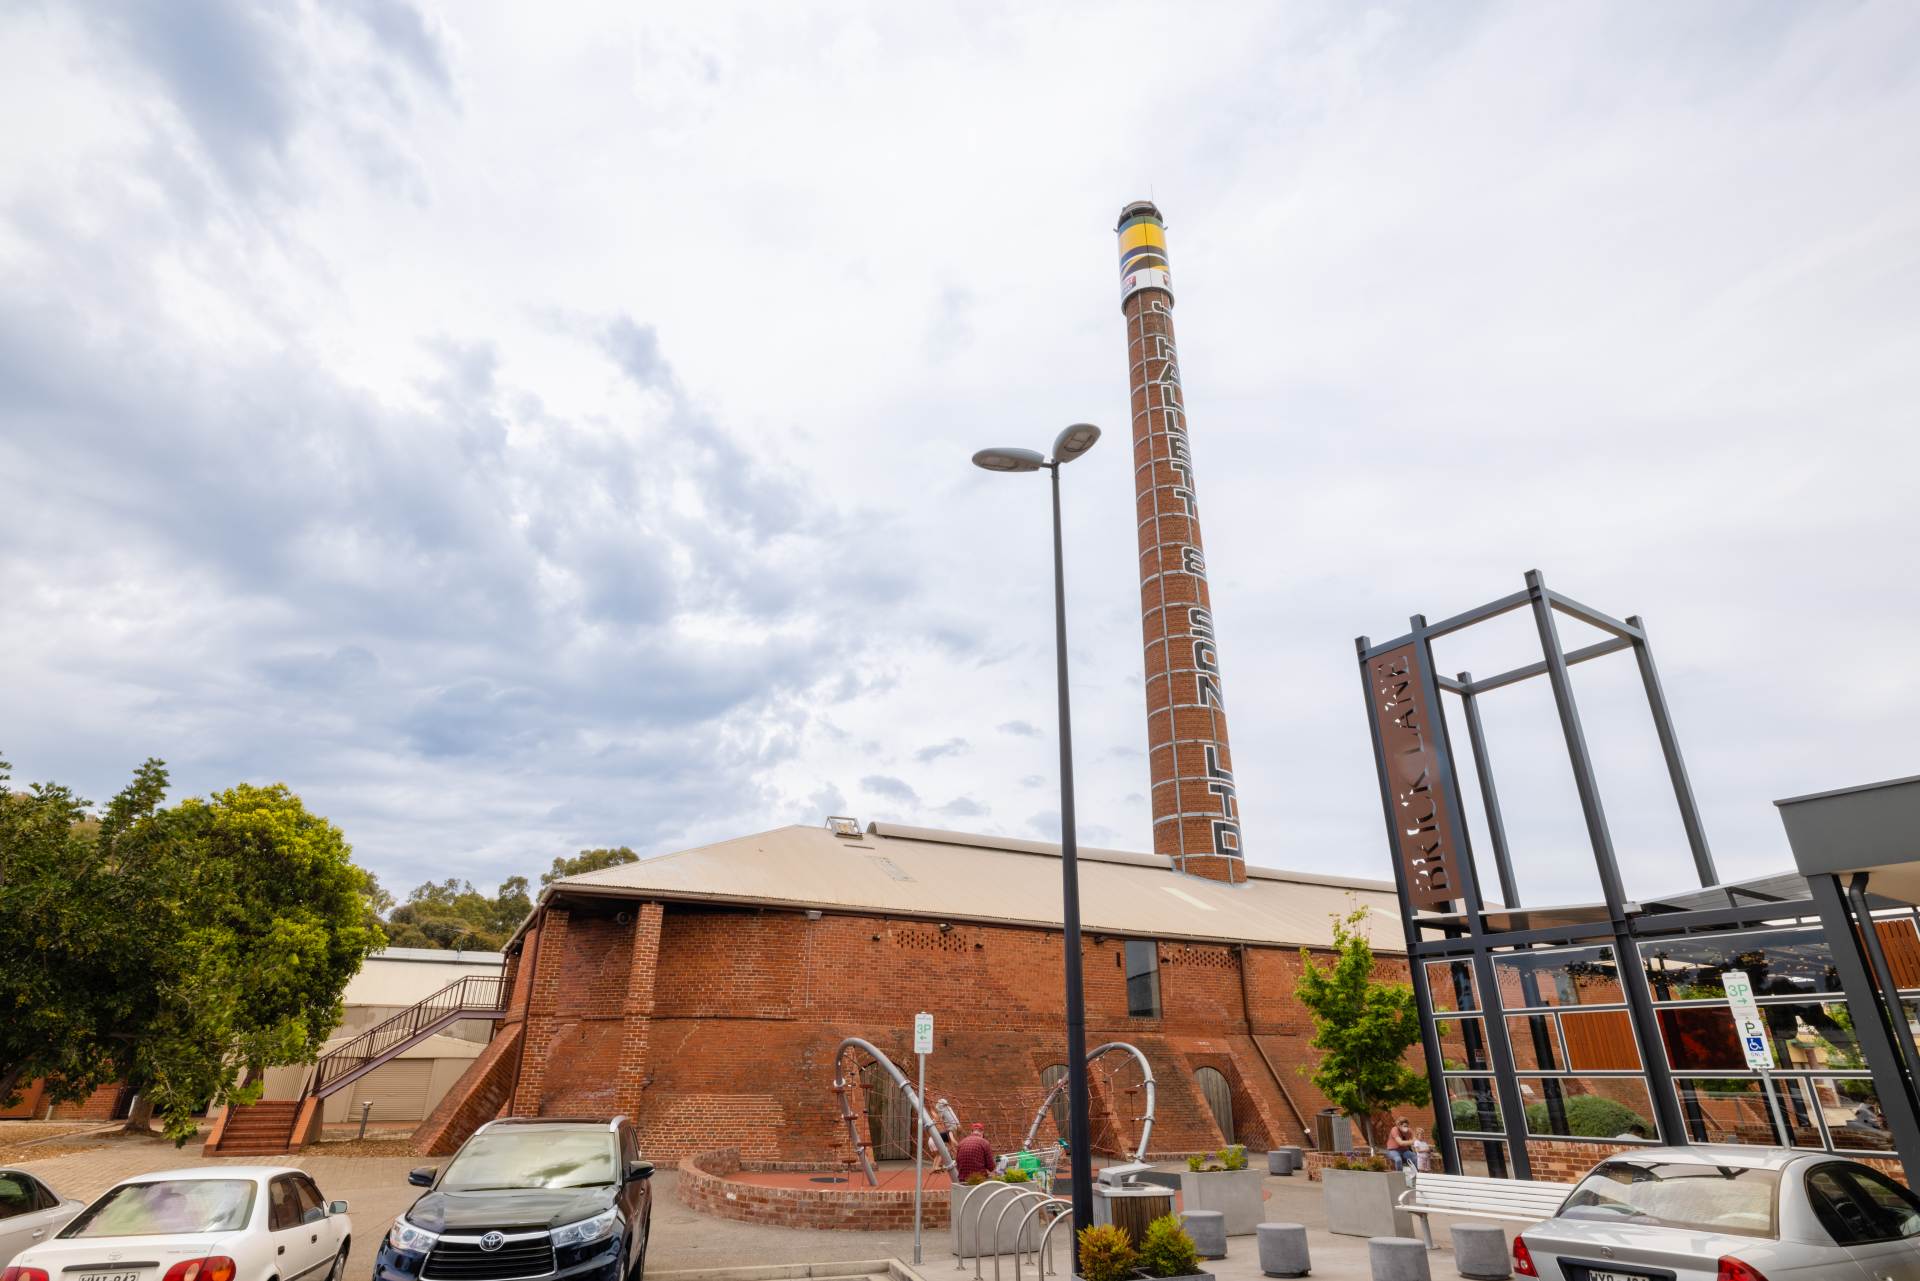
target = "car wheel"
x: 339, y: 1268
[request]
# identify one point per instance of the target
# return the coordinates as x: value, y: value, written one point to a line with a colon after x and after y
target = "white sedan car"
x: 1727, y: 1213
x: 30, y: 1212
x: 215, y: 1223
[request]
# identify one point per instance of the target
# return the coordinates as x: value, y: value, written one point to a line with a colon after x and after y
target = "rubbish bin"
x: 1333, y: 1130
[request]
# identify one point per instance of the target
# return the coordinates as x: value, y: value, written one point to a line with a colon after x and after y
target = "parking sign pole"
x: 922, y: 1046
x: 1755, y: 1042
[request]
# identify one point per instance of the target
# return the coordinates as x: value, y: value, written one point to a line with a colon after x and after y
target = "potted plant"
x: 1363, y: 1029
x: 1221, y: 1181
x: 1106, y: 1253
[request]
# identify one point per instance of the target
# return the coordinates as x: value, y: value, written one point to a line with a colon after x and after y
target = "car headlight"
x: 587, y: 1231
x: 405, y: 1236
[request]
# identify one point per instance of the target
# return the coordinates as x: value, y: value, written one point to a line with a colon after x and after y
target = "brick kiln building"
x: 704, y: 993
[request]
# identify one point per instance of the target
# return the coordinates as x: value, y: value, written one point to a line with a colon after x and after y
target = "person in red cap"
x: 974, y: 1155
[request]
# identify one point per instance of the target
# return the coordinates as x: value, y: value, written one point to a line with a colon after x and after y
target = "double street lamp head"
x: 1067, y: 446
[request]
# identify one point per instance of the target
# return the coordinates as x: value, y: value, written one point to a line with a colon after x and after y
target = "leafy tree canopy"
x: 587, y: 861
x: 178, y: 949
x: 452, y: 914
x: 1362, y: 1027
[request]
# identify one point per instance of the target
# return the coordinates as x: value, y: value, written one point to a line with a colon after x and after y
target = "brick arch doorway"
x: 1215, y: 1089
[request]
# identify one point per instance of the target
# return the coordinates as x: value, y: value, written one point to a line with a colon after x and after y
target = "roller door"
x: 397, y: 1090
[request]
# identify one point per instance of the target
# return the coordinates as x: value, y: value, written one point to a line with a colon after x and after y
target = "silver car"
x: 1726, y: 1213
x: 30, y: 1212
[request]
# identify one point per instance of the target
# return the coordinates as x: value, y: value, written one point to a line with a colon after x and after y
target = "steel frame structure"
x: 1466, y: 931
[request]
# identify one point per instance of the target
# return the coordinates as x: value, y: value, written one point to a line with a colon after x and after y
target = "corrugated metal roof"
x: 911, y: 871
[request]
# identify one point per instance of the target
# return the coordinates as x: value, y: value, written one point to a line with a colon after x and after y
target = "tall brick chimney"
x: 1196, y: 814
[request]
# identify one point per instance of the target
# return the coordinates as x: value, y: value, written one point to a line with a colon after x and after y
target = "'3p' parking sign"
x: 1754, y: 1041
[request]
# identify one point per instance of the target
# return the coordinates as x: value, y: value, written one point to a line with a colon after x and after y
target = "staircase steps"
x: 257, y: 1129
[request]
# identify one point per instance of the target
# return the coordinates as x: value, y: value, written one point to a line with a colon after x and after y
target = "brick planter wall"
x: 706, y: 1187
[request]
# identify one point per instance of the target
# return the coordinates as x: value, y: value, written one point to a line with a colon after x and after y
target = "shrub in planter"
x: 975, y: 1179
x: 1197, y: 1162
x: 1234, y: 1157
x: 1016, y: 1175
x: 1371, y: 1161
x: 1106, y: 1253
x: 1168, y: 1251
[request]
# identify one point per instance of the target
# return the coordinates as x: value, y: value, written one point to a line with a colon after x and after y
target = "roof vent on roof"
x: 841, y: 825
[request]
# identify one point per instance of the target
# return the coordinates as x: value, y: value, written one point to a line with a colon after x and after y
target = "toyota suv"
x: 528, y: 1197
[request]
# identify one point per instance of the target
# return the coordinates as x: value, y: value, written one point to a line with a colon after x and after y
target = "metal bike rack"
x: 1146, y: 1070
x: 1062, y: 1208
x: 1000, y: 1218
x: 982, y: 1202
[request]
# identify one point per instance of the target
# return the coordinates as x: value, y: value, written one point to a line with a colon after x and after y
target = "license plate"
x: 110, y: 1275
x: 1594, y: 1274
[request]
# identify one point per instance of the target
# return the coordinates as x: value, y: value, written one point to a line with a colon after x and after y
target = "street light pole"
x: 1080, y: 1159
x: 1071, y: 443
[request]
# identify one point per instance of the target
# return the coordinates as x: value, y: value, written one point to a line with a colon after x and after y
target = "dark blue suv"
x: 528, y: 1197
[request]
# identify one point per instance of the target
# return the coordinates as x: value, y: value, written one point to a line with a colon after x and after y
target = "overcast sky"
x: 526, y: 427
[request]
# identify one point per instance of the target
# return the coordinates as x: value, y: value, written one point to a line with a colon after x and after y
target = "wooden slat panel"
x: 1902, y: 947
x: 1600, y: 1040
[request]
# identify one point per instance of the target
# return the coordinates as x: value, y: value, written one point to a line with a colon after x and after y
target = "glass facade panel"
x: 1473, y: 1105
x: 1463, y: 1043
x: 1789, y: 962
x: 1483, y: 1158
x: 1536, y: 1042
x: 1700, y: 1038
x: 1595, y: 1107
x: 1558, y: 976
x: 1796, y: 1112
x: 1724, y: 1110
x: 1851, y: 1108
x: 1813, y: 1036
x: 1450, y: 983
x: 1600, y: 1041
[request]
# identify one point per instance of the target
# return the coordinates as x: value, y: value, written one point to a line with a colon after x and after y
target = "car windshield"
x: 166, y: 1208
x: 532, y: 1158
x: 1679, y: 1194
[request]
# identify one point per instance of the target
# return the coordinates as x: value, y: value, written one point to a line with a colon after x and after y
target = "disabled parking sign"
x: 1752, y: 1029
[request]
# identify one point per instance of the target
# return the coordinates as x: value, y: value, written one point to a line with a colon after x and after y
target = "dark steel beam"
x: 1633, y: 979
x: 1587, y: 614
x: 1883, y: 978
x: 1896, y: 1102
x: 1499, y: 1053
x: 1489, y: 797
x: 1574, y: 658
x: 1422, y: 996
x: 1505, y: 605
x: 1676, y: 767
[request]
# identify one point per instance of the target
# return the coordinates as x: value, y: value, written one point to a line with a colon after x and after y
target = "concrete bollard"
x: 1280, y: 1161
x: 1208, y: 1228
x: 1398, y: 1259
x: 1296, y: 1158
x: 1283, y: 1250
x: 1480, y: 1251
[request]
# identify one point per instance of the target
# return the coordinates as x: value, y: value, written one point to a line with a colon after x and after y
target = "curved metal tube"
x: 1002, y: 1218
x: 1058, y: 1205
x: 843, y: 1080
x: 979, y: 1206
x: 1146, y: 1071
x: 1046, y: 1242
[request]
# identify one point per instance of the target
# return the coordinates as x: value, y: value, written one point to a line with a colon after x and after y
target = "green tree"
x: 453, y: 915
x: 189, y: 947
x: 1362, y: 1028
x: 587, y: 861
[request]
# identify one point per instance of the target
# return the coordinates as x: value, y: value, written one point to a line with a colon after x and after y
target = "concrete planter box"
x: 1237, y: 1194
x: 960, y: 1214
x: 1360, y: 1203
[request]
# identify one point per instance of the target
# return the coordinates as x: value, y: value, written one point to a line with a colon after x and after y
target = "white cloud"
x: 522, y: 432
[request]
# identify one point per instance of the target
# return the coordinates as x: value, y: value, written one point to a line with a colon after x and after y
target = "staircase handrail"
x: 472, y: 995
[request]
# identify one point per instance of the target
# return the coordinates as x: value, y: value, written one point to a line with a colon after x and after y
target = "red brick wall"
x: 98, y: 1106
x: 717, y: 1028
x: 475, y: 1098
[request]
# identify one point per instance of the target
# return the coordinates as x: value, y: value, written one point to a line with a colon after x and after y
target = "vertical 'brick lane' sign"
x: 1196, y: 812
x: 1410, y: 762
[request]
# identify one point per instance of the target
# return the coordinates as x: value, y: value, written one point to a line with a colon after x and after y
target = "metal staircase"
x: 476, y: 996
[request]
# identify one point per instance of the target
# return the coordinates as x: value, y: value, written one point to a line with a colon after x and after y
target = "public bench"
x: 1519, y: 1200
